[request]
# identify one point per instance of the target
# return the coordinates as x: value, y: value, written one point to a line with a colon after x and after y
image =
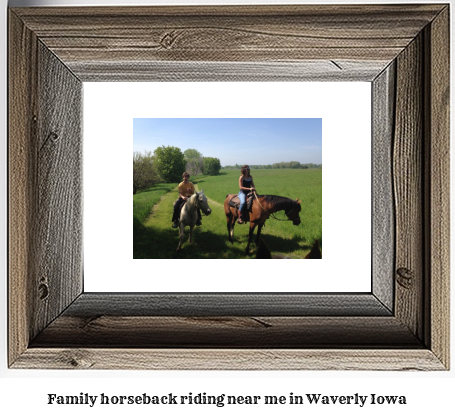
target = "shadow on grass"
x: 152, y: 243
x: 277, y: 244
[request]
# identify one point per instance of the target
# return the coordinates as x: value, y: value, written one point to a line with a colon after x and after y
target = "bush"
x: 144, y: 171
x: 212, y: 166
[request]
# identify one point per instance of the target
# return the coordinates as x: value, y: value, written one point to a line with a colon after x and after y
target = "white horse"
x: 188, y: 214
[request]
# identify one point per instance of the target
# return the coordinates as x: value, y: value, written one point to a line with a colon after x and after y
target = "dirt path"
x: 155, y: 206
x: 159, y: 211
x: 165, y: 198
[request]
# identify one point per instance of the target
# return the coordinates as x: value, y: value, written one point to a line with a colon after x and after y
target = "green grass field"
x: 154, y: 237
x: 144, y: 200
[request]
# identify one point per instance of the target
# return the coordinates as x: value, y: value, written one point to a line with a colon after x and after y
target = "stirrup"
x: 175, y: 224
x: 240, y: 221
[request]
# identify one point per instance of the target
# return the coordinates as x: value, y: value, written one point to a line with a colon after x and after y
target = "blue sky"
x: 235, y: 140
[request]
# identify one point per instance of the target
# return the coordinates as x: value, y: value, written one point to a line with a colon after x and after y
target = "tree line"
x: 166, y: 165
x: 282, y: 165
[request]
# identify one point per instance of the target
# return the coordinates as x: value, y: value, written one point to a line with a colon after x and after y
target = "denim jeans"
x: 242, y: 198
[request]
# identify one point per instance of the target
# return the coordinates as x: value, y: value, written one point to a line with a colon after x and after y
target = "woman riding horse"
x: 186, y: 189
x: 246, y: 186
x: 262, y: 208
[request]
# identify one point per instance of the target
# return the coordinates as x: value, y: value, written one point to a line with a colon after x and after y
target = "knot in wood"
x: 76, y: 359
x: 168, y: 40
x: 53, y: 136
x: 43, y: 291
x: 404, y: 278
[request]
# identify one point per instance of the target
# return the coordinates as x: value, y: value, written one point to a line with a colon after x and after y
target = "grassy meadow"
x: 155, y: 238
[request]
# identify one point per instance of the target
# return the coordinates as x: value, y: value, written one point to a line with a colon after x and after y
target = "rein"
x: 271, y: 214
x: 199, y: 206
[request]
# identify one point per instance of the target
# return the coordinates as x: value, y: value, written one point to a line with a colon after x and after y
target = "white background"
x: 25, y: 391
x: 109, y: 109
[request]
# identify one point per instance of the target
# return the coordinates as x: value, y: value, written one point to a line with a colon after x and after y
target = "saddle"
x: 234, y: 201
x: 178, y: 210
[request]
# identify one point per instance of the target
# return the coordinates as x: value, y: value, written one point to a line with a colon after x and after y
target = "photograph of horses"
x: 196, y: 180
x: 253, y: 146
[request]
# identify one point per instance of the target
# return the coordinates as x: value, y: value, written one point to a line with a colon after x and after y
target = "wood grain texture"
x: 88, y: 305
x: 402, y: 50
x: 438, y: 199
x: 58, y: 204
x: 22, y: 172
x: 45, y: 184
x: 408, y: 187
x: 383, y: 214
x: 227, y: 34
x: 229, y: 359
x: 257, y: 332
x: 307, y: 71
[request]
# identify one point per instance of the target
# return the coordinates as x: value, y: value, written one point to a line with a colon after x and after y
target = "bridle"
x: 198, y: 205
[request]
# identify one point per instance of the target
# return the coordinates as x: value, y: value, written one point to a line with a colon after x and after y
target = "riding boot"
x: 175, y: 220
x: 175, y: 215
x: 240, y: 220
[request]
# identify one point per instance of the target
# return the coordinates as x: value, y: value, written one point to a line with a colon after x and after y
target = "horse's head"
x: 202, y: 203
x: 293, y: 214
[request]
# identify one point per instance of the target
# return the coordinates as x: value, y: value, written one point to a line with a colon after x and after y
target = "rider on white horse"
x: 186, y: 189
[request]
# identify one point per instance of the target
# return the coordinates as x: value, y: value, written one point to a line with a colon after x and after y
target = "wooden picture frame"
x: 403, y: 324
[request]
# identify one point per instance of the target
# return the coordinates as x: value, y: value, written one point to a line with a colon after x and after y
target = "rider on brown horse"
x: 246, y: 186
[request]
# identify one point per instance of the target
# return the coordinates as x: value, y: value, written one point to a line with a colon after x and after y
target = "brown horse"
x: 262, y: 208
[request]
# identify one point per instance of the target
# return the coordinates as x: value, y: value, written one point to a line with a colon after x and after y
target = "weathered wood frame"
x: 403, y: 50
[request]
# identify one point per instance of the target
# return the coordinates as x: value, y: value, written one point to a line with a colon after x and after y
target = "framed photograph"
x: 400, y: 323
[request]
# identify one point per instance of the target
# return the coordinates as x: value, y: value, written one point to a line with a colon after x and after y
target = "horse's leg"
x: 191, y: 233
x: 231, y: 235
x: 258, y: 234
x: 228, y: 224
x: 182, y: 235
x: 250, y: 237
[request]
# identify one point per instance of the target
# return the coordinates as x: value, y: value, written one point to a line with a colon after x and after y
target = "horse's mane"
x: 281, y: 202
x: 191, y: 200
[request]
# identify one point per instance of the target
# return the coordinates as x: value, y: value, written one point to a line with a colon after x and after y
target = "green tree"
x: 170, y: 163
x: 194, y: 161
x: 212, y: 166
x: 191, y: 153
x: 144, y: 171
x: 294, y: 164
